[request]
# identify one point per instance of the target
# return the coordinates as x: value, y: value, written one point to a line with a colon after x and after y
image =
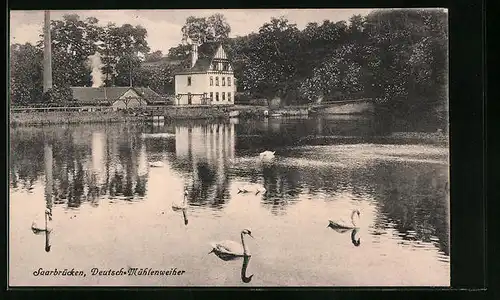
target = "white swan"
x: 156, y: 164
x: 341, y: 224
x: 183, y: 204
x: 267, y: 154
x: 252, y: 189
x: 37, y: 228
x: 232, y: 248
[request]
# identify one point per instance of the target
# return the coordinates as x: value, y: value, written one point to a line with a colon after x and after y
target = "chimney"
x: 47, y: 55
x: 194, y: 53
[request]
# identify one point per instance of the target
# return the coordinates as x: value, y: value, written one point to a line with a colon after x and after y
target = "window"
x: 229, y: 81
x: 216, y: 96
x: 223, y: 96
x: 189, y: 80
x: 223, y: 81
x: 190, y: 97
x: 211, y: 80
x: 229, y: 96
x: 217, y: 80
x: 211, y: 95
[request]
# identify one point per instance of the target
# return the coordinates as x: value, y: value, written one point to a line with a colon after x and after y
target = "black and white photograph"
x: 229, y: 148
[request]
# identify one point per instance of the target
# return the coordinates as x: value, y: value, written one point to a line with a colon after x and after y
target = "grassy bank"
x: 61, y: 117
x: 170, y: 112
x: 45, y: 118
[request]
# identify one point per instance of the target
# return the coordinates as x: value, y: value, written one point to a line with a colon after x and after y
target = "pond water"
x: 110, y: 189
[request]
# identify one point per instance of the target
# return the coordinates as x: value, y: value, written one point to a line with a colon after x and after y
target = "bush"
x: 58, y: 94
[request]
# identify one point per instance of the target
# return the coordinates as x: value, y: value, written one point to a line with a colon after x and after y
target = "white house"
x: 209, y: 80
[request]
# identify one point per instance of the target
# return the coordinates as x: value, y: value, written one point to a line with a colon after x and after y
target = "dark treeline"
x: 398, y: 57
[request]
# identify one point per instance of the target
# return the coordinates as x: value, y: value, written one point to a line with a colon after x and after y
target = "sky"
x: 164, y: 26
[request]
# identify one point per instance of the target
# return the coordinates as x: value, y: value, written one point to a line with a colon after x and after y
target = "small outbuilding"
x: 116, y: 97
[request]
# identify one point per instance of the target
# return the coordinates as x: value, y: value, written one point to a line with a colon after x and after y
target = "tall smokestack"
x: 47, y: 55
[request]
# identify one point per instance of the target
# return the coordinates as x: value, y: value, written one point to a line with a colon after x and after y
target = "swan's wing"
x: 228, y: 247
x: 339, y: 223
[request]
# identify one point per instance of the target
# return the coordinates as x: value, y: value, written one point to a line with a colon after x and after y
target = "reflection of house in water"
x: 205, y: 141
x: 203, y: 151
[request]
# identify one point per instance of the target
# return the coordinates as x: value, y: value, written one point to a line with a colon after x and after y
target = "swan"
x: 231, y: 248
x: 183, y: 204
x: 39, y: 229
x: 341, y: 224
x: 244, y: 266
x: 256, y: 190
x: 156, y: 164
x: 267, y: 154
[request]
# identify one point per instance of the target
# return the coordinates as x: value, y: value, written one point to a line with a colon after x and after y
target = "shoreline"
x: 168, y: 113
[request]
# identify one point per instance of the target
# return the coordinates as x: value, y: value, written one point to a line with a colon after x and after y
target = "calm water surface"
x: 111, y: 210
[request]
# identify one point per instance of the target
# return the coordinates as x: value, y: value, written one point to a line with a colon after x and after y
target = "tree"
x: 274, y: 56
x: 154, y: 56
x: 180, y: 52
x: 73, y: 41
x: 409, y: 72
x: 201, y: 29
x: 25, y: 74
x: 119, y: 52
x: 159, y: 78
x: 58, y: 94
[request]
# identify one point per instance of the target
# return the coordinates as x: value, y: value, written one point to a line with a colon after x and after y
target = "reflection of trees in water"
x: 257, y: 134
x: 414, y: 198
x: 210, y: 187
x: 202, y: 154
x: 74, y: 181
x: 26, y: 153
x: 283, y: 186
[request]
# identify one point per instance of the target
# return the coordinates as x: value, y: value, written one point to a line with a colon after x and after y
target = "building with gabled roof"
x: 208, y: 79
x: 119, y: 97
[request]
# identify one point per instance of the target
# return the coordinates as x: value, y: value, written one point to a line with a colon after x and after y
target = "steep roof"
x: 206, y: 53
x: 149, y: 94
x: 99, y: 95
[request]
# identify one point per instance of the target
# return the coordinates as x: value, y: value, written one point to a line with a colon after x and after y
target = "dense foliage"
x: 398, y: 57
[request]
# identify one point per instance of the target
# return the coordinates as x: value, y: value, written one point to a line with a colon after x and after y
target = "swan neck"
x: 353, y: 220
x: 245, y: 249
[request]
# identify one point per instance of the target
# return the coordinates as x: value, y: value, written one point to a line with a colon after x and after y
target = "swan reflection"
x: 355, y: 239
x: 46, y: 230
x: 244, y: 278
x: 184, y: 215
x: 244, y: 266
